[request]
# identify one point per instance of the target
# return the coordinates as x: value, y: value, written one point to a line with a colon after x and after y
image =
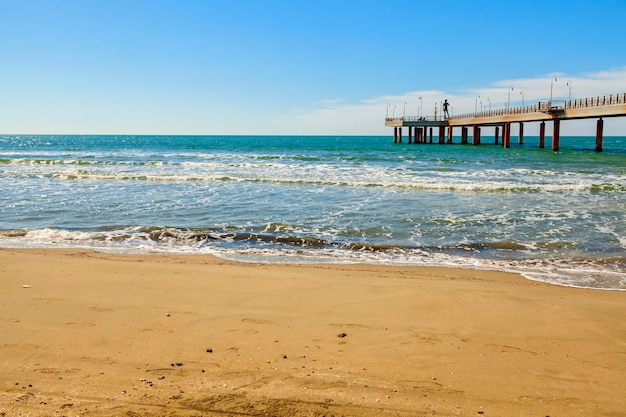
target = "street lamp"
x: 522, y: 94
x: 569, y: 84
x: 489, y: 101
x: 476, y: 103
x: 420, y: 112
x: 508, y: 101
x: 393, y: 114
x: 404, y: 110
x: 552, y: 80
x: 387, y: 113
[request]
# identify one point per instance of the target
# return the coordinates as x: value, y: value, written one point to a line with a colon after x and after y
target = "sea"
x: 557, y: 217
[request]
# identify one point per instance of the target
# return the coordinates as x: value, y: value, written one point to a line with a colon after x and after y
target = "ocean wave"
x: 374, y: 179
x: 607, y: 273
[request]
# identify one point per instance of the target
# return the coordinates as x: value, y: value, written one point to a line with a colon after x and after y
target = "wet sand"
x: 91, y: 334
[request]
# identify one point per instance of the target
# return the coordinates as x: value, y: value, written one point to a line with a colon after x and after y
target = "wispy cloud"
x: 335, y: 116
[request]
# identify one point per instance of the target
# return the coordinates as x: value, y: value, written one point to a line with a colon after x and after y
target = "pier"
x: 421, y: 129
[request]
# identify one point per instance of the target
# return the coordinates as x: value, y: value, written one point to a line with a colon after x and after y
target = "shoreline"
x: 105, y: 334
x: 534, y: 271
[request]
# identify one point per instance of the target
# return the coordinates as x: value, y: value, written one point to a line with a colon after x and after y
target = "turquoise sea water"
x: 556, y: 217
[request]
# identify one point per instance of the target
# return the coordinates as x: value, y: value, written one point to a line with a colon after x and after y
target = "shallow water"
x: 555, y: 217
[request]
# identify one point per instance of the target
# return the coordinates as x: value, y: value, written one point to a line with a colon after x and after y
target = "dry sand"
x: 128, y: 335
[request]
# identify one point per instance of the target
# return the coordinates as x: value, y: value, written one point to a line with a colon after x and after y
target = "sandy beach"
x: 92, y: 334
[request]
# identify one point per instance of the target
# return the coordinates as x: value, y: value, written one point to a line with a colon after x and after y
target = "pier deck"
x: 599, y: 107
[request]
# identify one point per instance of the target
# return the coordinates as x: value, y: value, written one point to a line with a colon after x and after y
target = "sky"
x: 296, y: 68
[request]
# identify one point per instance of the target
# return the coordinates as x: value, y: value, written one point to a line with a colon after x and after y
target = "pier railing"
x: 547, y: 106
x: 416, y: 119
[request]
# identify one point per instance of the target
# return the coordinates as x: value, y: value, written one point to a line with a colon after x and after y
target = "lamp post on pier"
x: 569, y: 84
x: 387, y: 113
x: 404, y: 110
x: 522, y: 94
x: 420, y: 112
x: 508, y: 101
x: 552, y: 81
x: 489, y: 101
x: 476, y: 103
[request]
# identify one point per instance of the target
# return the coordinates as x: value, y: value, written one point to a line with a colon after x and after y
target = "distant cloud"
x: 366, y: 117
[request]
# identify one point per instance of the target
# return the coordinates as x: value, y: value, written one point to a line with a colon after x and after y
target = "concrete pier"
x: 599, y: 107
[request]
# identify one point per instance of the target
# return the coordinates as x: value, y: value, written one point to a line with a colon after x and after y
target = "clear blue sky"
x: 292, y: 67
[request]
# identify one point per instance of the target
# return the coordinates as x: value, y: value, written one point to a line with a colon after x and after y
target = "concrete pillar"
x: 496, y: 136
x: 410, y: 134
x: 476, y: 135
x: 506, y: 135
x: 542, y: 134
x: 556, y: 127
x: 431, y: 135
x: 442, y: 131
x: 463, y: 134
x: 520, y: 136
x: 599, y: 129
x: 399, y: 135
x: 395, y: 135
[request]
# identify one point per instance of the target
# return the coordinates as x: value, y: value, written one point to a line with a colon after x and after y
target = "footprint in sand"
x: 349, y: 325
x: 101, y: 309
x: 512, y: 349
x: 256, y: 321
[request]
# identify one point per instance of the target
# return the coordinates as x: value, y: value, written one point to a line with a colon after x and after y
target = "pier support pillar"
x: 442, y: 131
x: 431, y: 135
x: 464, y: 135
x: 476, y: 135
x: 506, y: 135
x: 599, y: 129
x: 542, y: 135
x: 399, y: 135
x: 496, y: 137
x: 410, y: 134
x: 449, y: 134
x: 520, y: 136
x: 556, y: 127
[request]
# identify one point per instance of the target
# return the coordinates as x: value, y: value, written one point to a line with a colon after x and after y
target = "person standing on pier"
x: 445, y: 109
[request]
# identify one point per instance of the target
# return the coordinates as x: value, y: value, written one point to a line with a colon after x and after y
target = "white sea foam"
x: 574, y: 273
x: 481, y: 207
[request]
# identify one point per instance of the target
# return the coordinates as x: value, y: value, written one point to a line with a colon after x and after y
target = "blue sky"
x: 289, y: 67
